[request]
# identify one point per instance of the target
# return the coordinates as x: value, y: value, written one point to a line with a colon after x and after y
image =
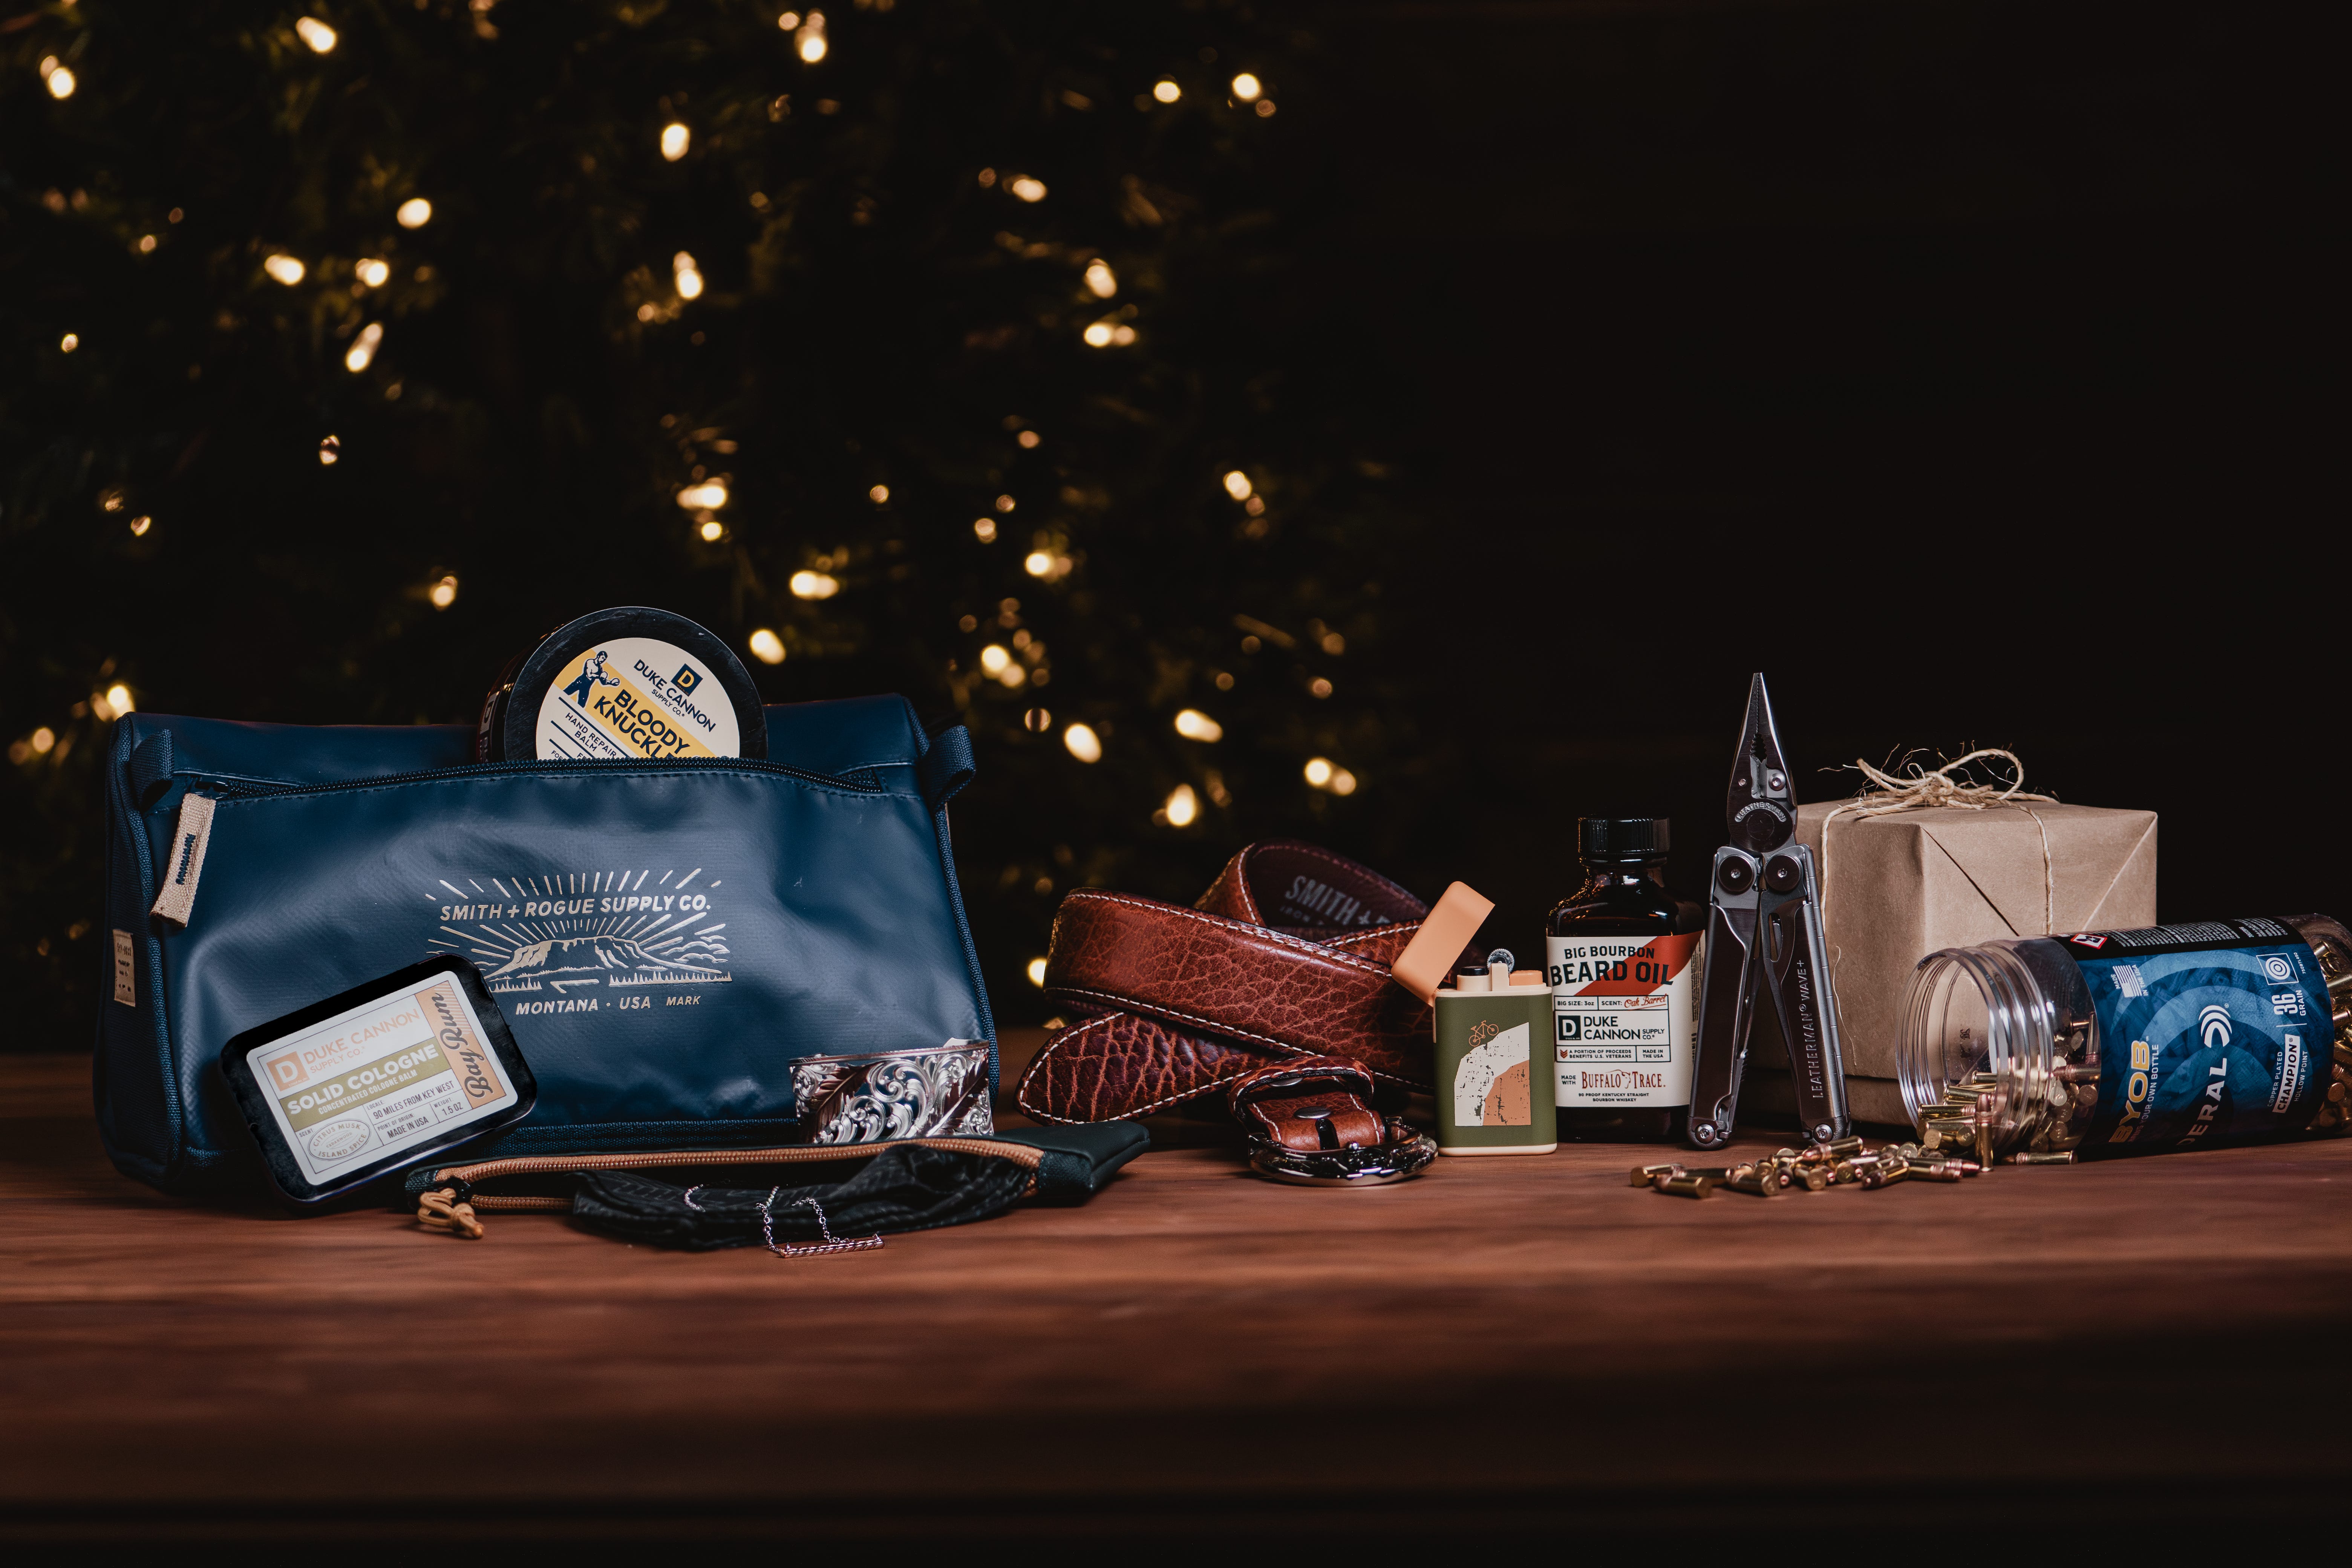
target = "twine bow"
x: 1926, y: 788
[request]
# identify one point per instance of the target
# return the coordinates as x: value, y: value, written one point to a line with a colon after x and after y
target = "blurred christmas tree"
x: 934, y: 347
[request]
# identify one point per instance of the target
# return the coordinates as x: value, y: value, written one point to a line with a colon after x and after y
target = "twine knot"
x: 441, y: 1211
x: 1926, y: 788
x: 1936, y: 786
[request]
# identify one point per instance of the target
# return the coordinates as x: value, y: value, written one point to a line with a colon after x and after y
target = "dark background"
x: 1970, y: 369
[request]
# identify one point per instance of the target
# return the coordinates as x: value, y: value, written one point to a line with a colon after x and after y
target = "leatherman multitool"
x: 1764, y: 933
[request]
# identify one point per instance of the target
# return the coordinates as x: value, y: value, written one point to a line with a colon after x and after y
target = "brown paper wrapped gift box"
x: 1901, y: 886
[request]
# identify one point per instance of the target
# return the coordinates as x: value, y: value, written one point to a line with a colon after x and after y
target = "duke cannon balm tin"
x: 1493, y: 1059
x: 374, y: 1081
x: 625, y: 684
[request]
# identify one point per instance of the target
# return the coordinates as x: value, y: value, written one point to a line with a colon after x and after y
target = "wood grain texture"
x: 1524, y: 1340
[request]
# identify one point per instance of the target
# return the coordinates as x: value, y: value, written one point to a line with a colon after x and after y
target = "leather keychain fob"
x: 1310, y: 1120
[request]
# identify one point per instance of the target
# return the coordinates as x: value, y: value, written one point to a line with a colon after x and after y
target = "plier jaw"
x: 1760, y: 813
x: 1764, y: 933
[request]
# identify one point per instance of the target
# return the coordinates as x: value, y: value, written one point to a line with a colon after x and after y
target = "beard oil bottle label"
x: 1622, y: 1014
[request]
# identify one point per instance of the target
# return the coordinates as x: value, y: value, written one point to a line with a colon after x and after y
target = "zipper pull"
x: 447, y: 1211
x: 185, y: 863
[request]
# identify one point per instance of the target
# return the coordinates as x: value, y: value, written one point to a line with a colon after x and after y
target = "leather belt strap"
x: 1243, y: 982
x: 1187, y: 1001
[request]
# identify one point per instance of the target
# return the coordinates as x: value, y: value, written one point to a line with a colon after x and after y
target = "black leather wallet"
x: 702, y: 1199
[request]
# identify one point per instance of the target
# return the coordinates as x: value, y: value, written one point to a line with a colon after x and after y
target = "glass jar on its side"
x: 2174, y: 1037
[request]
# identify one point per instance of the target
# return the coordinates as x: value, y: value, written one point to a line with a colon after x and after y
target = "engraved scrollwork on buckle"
x: 932, y: 1092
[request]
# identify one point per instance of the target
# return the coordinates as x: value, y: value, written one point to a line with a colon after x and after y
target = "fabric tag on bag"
x: 125, y: 990
x: 187, y: 863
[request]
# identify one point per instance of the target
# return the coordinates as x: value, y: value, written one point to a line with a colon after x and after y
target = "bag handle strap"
x: 945, y: 766
x: 151, y: 768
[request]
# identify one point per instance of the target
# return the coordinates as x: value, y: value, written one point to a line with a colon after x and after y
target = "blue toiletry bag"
x: 673, y: 944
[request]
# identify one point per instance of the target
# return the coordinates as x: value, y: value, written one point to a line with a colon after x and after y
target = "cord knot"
x: 1926, y: 788
x: 1937, y: 787
x: 441, y: 1211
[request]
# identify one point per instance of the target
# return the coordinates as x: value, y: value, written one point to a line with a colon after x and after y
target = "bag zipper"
x: 247, y: 788
x: 456, y: 1183
x: 194, y: 833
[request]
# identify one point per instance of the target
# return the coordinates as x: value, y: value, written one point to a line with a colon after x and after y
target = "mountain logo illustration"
x: 581, y: 954
x: 586, y: 942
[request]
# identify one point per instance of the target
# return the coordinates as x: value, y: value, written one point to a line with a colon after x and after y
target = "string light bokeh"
x: 958, y: 411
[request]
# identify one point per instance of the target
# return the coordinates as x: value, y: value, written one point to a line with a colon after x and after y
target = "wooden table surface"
x: 1521, y: 1350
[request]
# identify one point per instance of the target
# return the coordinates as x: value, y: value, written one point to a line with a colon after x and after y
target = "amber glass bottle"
x: 1621, y: 954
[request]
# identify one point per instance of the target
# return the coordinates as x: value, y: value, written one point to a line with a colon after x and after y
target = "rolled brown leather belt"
x: 1287, y: 954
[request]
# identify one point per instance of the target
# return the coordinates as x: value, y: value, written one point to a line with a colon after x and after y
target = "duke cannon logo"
x: 588, y: 941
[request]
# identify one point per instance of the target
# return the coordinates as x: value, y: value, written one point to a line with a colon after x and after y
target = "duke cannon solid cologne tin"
x: 373, y: 1081
x: 629, y: 683
x: 1494, y: 1061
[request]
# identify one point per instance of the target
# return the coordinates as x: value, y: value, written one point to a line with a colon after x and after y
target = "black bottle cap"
x: 1624, y: 839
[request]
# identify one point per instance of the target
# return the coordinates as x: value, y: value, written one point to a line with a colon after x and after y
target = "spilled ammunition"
x: 1952, y: 1148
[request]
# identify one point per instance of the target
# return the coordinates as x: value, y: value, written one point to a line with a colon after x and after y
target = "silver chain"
x: 831, y: 1244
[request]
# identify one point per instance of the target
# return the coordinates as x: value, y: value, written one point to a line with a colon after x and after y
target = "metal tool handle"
x: 1726, y: 998
x: 1790, y: 910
